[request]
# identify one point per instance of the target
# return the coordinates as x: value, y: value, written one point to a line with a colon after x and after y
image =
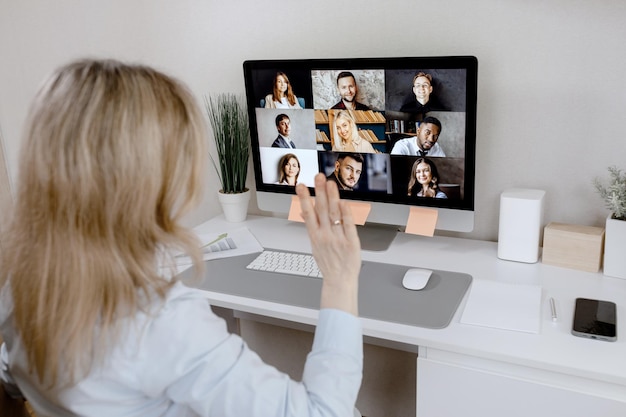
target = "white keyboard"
x: 286, y: 263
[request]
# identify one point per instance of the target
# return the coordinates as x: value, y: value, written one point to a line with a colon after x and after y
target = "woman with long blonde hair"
x: 346, y: 134
x: 112, y: 159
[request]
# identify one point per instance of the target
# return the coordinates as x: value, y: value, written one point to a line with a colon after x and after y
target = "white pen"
x: 553, y: 309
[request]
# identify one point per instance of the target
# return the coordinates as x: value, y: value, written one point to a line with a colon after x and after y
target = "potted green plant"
x: 613, y: 193
x: 229, y: 120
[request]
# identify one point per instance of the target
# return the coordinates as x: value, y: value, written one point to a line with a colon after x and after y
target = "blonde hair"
x: 339, y: 144
x: 111, y: 160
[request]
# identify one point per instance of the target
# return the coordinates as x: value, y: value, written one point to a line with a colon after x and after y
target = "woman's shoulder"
x: 269, y: 101
x: 339, y: 146
x: 182, y: 307
x: 297, y: 104
x: 181, y: 291
x: 366, y: 146
x: 177, y: 296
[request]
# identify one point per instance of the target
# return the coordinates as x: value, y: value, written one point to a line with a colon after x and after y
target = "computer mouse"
x: 416, y: 278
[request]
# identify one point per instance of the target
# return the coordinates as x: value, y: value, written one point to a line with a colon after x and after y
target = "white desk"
x: 466, y: 370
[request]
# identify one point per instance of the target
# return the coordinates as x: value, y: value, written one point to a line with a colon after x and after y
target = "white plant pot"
x: 234, y: 206
x: 615, y: 248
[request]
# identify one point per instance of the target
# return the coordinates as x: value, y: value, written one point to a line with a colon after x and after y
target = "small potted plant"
x: 613, y: 193
x: 231, y: 131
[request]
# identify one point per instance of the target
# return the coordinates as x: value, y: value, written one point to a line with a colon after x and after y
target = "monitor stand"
x: 376, y: 237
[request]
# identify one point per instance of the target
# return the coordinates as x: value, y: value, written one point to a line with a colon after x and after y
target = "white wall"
x: 551, y: 73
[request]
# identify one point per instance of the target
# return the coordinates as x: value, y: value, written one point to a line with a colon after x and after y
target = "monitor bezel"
x: 467, y: 63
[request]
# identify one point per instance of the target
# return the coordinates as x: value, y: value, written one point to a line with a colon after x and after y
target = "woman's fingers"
x: 329, y: 223
x: 321, y: 201
x: 334, y: 243
x: 332, y: 200
x: 324, y: 211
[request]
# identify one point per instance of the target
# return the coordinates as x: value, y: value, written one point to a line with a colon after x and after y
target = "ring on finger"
x: 337, y: 222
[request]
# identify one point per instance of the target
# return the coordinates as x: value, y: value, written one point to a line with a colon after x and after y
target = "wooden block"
x: 573, y: 246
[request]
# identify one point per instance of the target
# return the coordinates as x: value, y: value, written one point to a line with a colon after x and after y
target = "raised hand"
x: 335, y: 243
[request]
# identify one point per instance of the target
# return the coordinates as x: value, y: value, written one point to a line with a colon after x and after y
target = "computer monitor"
x: 393, y: 132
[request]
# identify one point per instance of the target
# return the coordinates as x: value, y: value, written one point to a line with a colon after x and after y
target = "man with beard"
x: 425, y: 143
x: 348, y: 90
x: 347, y: 173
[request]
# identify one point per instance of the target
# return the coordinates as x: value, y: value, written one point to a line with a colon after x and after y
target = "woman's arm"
x: 215, y: 371
x: 335, y: 243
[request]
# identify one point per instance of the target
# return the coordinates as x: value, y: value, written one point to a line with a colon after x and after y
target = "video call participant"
x: 288, y: 169
x: 283, y: 125
x: 348, y: 169
x: 282, y: 96
x: 422, y: 101
x: 348, y: 90
x: 425, y: 143
x: 346, y: 137
x: 134, y: 341
x: 423, y: 180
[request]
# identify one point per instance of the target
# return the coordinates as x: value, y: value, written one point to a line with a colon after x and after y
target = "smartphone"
x: 595, y: 319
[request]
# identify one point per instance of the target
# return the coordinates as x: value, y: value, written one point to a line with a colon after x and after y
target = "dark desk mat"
x: 381, y: 294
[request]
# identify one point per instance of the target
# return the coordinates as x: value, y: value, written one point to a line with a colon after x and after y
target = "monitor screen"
x: 395, y: 132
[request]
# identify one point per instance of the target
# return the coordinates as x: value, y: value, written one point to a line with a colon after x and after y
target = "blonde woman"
x: 346, y: 135
x: 112, y: 159
x: 282, y: 96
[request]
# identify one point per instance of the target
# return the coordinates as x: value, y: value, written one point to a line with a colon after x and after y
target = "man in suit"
x: 283, y: 125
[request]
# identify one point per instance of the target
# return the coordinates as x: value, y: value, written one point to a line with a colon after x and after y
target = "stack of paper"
x: 223, y: 244
x: 504, y: 306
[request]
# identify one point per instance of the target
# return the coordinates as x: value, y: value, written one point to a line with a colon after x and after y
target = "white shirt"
x: 408, y: 146
x: 282, y: 104
x: 180, y: 361
x: 270, y: 103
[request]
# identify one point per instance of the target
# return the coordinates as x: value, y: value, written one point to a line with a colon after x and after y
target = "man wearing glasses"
x: 423, y: 101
